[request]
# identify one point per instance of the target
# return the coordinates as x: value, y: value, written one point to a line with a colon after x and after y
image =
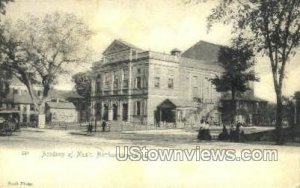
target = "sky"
x: 158, y: 25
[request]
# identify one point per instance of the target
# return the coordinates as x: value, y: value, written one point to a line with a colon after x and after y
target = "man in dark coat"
x: 103, y: 125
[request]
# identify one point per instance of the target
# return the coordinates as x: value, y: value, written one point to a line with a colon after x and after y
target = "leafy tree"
x: 38, y: 50
x: 271, y: 27
x: 3, y: 73
x: 82, y: 82
x: 297, y: 95
x: 237, y: 62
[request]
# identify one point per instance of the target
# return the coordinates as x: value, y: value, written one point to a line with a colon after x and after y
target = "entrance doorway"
x: 115, y: 112
x: 125, y: 112
x: 167, y: 115
x: 105, y: 112
x: 98, y: 111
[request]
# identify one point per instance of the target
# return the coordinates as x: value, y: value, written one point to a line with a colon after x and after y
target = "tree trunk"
x: 279, y: 131
x: 233, y: 105
x: 41, y: 115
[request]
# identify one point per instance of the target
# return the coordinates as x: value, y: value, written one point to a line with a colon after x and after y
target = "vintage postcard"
x: 149, y: 93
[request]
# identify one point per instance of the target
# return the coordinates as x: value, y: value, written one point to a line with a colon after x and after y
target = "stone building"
x: 60, y: 111
x: 136, y: 85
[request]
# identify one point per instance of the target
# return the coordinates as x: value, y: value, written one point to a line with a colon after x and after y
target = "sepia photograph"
x: 149, y: 93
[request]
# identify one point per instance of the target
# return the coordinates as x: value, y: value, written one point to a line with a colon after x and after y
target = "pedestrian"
x: 90, y: 127
x: 224, y: 134
x: 17, y: 125
x: 103, y: 125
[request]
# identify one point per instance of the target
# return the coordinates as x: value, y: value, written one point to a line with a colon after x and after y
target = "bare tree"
x: 273, y: 28
x: 38, y: 50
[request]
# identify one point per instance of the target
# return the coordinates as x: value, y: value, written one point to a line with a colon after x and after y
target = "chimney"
x: 176, y: 52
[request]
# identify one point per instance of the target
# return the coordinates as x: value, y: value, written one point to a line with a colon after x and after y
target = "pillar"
x: 28, y: 113
x: 129, y: 110
x: 250, y: 119
x: 21, y: 112
x: 110, y: 112
x: 120, y: 108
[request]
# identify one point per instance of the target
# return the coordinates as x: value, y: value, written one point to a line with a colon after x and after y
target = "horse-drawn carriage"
x: 7, y: 122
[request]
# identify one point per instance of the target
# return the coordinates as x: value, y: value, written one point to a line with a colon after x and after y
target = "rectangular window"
x: 32, y: 107
x: 156, y: 82
x: 106, y: 78
x: 144, y: 82
x: 116, y: 80
x: 116, y: 83
x: 125, y: 78
x: 195, y: 92
x: 138, y: 108
x: 171, y: 83
x: 195, y: 80
x: 138, y: 82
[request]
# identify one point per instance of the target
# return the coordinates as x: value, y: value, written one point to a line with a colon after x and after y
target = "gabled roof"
x: 15, y: 82
x: 205, y: 51
x: 18, y: 99
x: 173, y: 103
x: 120, y: 45
x: 61, y: 105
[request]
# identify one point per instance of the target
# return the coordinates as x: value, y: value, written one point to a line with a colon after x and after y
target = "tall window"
x: 138, y: 108
x: 138, y: 82
x: 157, y: 82
x: 106, y: 78
x: 195, y: 92
x: 195, y: 80
x: 125, y: 78
x: 171, y: 83
x: 116, y: 80
x: 98, y: 83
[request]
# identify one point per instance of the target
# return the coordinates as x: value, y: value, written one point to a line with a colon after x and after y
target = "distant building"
x: 60, y: 111
x: 18, y: 103
x: 249, y: 109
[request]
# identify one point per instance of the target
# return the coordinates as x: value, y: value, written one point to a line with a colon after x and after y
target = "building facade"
x: 18, y: 102
x: 61, y: 111
x: 131, y: 84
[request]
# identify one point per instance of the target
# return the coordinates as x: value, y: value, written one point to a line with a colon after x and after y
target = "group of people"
x: 235, y: 133
x: 90, y: 126
x: 204, y: 133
